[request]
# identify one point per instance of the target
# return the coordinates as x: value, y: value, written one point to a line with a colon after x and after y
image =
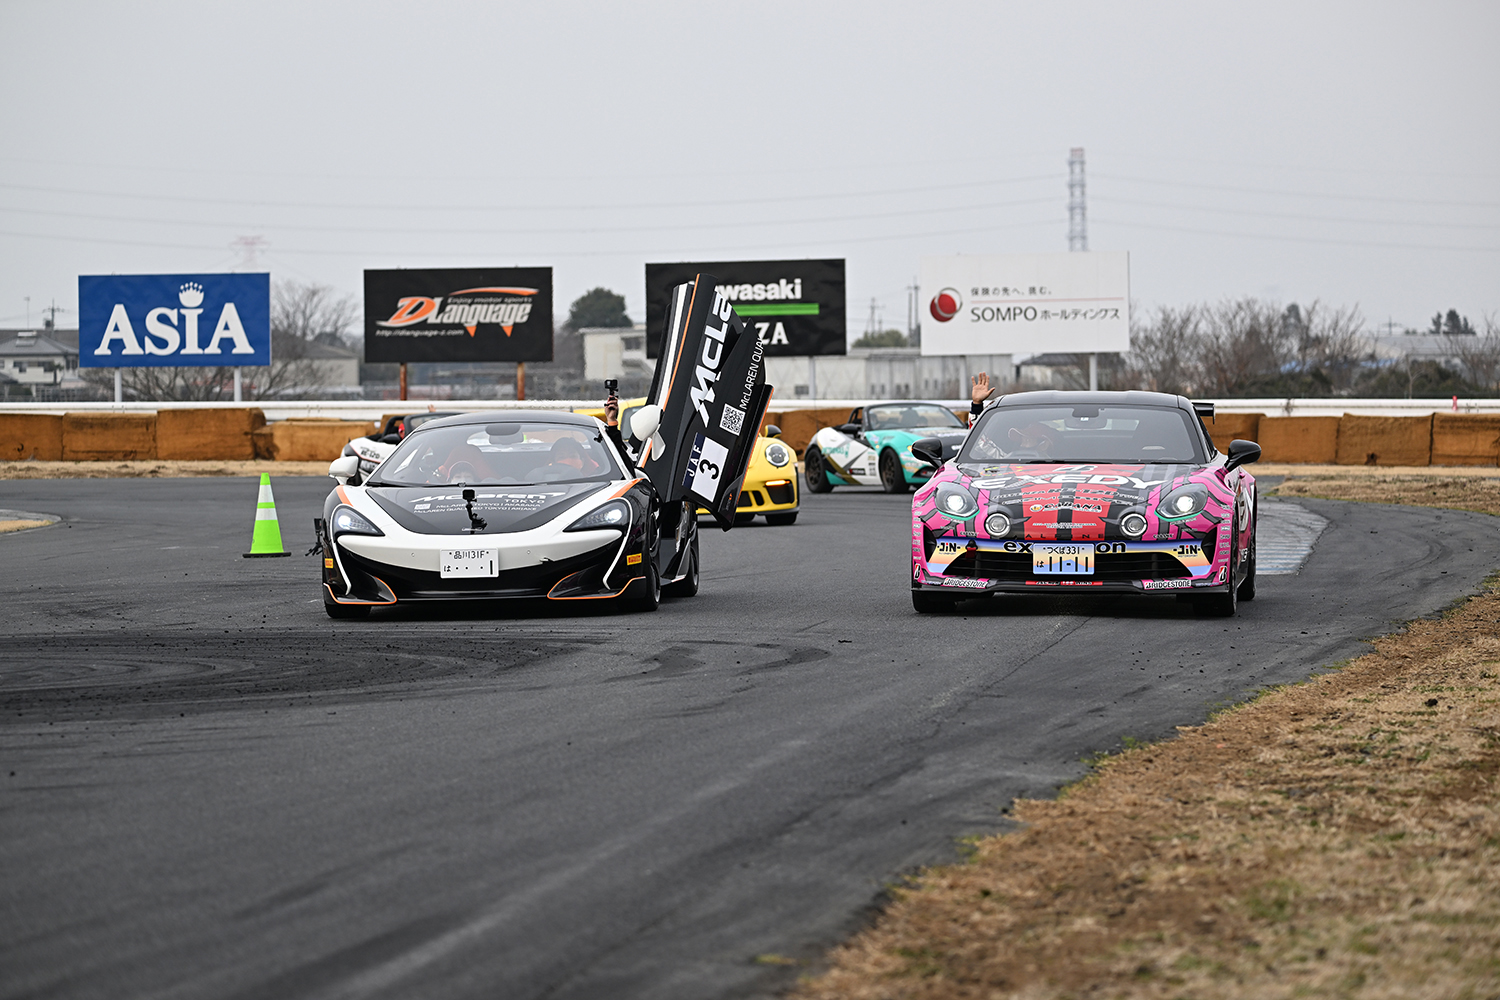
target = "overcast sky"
x: 1347, y: 152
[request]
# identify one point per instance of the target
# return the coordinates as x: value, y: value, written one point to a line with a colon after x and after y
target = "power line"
x: 1299, y: 215
x: 1299, y: 194
x: 388, y: 207
x: 1279, y: 238
x: 490, y: 231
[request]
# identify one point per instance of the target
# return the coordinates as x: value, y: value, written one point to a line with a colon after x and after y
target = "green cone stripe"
x: 266, y: 541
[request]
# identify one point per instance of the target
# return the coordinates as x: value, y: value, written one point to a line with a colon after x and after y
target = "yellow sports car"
x: 770, y: 486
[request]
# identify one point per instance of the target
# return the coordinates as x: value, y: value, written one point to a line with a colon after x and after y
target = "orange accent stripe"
x: 625, y: 489
x: 697, y: 281
x: 582, y: 597
x: 373, y: 604
x: 342, y: 495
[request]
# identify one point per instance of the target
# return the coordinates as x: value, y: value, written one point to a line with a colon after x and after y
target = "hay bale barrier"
x: 105, y: 437
x: 1384, y: 440
x: 1466, y: 439
x: 218, y: 434
x: 1227, y: 427
x: 1298, y: 440
x: 307, y: 440
x: 31, y: 436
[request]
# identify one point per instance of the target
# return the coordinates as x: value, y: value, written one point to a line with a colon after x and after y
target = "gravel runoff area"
x: 1338, y: 838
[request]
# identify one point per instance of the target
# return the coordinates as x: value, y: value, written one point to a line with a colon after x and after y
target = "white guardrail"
x: 374, y: 409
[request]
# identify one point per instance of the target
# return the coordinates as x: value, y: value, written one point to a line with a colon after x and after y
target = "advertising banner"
x: 1072, y: 303
x: 459, y: 314
x: 710, y: 383
x: 795, y: 307
x: 174, y: 320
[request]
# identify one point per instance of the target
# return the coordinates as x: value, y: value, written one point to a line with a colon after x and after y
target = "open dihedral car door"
x: 710, y: 383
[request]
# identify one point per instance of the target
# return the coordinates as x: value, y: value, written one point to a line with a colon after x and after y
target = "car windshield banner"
x: 459, y: 314
x: 795, y: 307
x: 174, y: 320
x: 711, y: 386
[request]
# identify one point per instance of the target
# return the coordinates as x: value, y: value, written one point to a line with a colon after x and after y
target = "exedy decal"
x: 468, y: 307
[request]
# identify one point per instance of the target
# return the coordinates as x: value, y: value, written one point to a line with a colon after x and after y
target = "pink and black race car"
x: 1114, y: 492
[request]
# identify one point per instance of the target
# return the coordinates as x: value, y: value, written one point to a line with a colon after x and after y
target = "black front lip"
x: 521, y: 583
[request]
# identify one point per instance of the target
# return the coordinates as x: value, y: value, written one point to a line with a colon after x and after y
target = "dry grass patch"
x: 1461, y: 492
x: 1339, y: 838
x: 155, y: 469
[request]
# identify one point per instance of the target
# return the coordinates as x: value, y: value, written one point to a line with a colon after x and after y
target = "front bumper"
x: 772, y: 496
x: 980, y: 565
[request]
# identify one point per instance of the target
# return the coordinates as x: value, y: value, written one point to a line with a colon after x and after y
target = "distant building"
x: 883, y: 373
x: 615, y: 352
x: 38, y: 358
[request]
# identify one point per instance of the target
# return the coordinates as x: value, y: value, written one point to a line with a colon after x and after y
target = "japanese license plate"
x: 469, y: 562
x: 1062, y: 559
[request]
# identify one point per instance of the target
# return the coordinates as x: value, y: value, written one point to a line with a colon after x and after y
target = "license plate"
x: 1062, y: 559
x: 469, y: 562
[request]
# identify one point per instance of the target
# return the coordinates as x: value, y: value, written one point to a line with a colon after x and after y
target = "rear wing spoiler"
x: 1204, y: 410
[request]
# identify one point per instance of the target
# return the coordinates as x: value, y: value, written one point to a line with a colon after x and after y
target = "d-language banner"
x: 174, y: 320
x: 710, y: 383
x: 794, y: 307
x: 459, y: 314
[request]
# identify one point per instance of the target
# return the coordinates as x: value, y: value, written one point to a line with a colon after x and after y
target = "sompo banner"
x: 710, y: 383
x: 795, y: 307
x: 174, y: 320
x: 459, y: 314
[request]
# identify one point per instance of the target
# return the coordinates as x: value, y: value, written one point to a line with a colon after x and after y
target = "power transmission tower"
x: 249, y: 248
x: 913, y: 319
x: 1078, y: 220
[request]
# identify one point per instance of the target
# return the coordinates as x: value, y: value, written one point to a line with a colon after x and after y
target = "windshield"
x: 903, y: 415
x: 1095, y: 434
x: 511, y: 453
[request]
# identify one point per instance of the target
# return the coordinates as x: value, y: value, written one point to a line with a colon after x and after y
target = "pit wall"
x: 222, y: 433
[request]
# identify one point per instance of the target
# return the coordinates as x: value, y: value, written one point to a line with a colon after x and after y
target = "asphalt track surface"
x: 209, y: 789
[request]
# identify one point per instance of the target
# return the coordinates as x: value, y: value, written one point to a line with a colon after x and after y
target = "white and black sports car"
x: 522, y: 504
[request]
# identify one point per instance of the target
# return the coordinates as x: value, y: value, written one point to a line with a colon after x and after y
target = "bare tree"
x: 1479, y: 355
x: 1164, y: 351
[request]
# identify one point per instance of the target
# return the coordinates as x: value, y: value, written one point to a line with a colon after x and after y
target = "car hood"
x: 1074, y: 502
x: 441, y: 510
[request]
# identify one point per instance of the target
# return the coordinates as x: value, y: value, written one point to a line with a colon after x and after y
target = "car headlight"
x: 1184, y: 501
x: 997, y: 525
x: 615, y: 514
x: 348, y: 521
x: 1133, y: 525
x: 778, y: 454
x: 956, y: 502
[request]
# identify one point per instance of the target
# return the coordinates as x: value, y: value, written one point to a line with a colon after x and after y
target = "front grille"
x: 1107, y: 566
x: 752, y: 498
x: 785, y: 493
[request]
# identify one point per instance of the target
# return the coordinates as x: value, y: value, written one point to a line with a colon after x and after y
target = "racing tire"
x: 817, y: 476
x: 346, y: 612
x: 645, y: 593
x: 1226, y: 604
x: 927, y: 603
x: 892, y: 479
x: 1247, y: 587
x: 688, y: 585
x: 779, y: 519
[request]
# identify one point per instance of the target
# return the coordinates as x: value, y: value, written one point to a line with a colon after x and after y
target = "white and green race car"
x: 874, y: 447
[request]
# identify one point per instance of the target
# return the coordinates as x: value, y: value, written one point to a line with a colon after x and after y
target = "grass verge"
x: 1338, y: 838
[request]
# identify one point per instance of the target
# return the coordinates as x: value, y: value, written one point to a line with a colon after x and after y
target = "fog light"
x: 1133, y: 525
x: 997, y: 524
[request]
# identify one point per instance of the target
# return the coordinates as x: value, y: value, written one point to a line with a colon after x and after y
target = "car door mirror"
x: 645, y: 421
x: 929, y: 450
x: 344, y: 468
x: 391, y: 439
x: 772, y: 431
x: 851, y: 430
x: 1242, y: 453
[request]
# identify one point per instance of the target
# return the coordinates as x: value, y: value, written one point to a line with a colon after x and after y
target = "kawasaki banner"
x: 710, y: 383
x: 795, y: 307
x: 174, y: 320
x: 459, y: 314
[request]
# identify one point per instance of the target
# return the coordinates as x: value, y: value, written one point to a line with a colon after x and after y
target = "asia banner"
x: 174, y: 320
x: 1076, y: 303
x: 710, y: 383
x: 795, y: 307
x: 459, y: 314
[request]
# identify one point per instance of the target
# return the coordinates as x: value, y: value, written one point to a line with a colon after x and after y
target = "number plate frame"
x: 457, y: 564
x: 1062, y: 558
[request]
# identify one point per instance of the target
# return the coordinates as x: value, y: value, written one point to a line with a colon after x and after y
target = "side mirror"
x: 929, y: 450
x: 772, y: 431
x: 645, y: 421
x: 851, y: 430
x: 1242, y: 453
x: 344, y: 468
x: 391, y: 439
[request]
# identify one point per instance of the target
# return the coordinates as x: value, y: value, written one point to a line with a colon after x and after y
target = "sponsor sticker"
x: 969, y: 583
x: 1166, y: 584
x: 327, y: 563
x: 732, y: 419
x: 708, y: 461
x: 634, y: 559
